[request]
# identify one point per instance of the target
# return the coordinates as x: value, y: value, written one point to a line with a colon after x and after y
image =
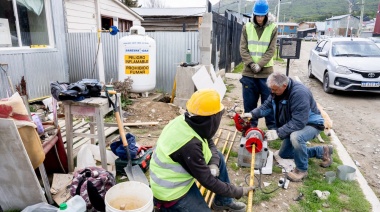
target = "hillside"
x: 303, y: 10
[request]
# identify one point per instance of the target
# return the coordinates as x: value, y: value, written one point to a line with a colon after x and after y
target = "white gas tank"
x: 137, y: 59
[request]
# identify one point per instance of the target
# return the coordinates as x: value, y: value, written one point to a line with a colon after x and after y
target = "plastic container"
x: 75, y: 204
x: 137, y: 59
x: 37, y: 121
x: 188, y: 56
x: 346, y: 173
x: 330, y: 176
x: 130, y: 196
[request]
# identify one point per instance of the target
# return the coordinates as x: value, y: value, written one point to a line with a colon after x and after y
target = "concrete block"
x: 180, y: 102
x: 184, y: 84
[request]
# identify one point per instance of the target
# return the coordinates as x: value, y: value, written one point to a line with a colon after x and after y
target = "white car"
x: 376, y: 40
x: 347, y: 64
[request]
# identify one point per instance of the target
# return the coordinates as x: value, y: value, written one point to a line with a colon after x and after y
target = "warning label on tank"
x: 136, y: 69
x: 136, y: 59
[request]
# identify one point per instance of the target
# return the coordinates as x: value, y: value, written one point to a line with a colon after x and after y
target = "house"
x: 33, y: 45
x: 81, y: 15
x: 306, y: 25
x: 343, y: 25
x: 305, y: 32
x: 171, y: 19
x: 287, y: 28
x: 321, y: 27
x: 376, y: 30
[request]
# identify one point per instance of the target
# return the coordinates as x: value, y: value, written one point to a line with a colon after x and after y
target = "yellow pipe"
x: 252, y: 178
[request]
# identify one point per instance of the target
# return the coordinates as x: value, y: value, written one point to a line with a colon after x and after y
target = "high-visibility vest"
x: 168, y: 179
x: 257, y: 47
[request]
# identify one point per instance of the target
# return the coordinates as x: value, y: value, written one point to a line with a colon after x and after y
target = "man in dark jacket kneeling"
x: 298, y: 120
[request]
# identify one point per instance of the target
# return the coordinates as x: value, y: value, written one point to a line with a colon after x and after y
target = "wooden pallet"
x: 80, y: 126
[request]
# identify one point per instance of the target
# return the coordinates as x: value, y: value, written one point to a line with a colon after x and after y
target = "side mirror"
x: 323, y: 54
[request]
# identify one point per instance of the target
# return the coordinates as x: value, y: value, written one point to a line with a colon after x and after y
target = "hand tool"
x: 134, y: 173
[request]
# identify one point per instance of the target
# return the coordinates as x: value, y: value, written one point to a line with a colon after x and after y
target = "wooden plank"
x: 129, y: 124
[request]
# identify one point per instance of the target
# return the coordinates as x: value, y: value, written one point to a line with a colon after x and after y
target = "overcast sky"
x: 182, y: 3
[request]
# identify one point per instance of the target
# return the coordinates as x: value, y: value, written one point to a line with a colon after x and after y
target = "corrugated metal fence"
x: 171, y: 50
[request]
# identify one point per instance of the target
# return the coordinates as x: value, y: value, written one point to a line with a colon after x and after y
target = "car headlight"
x: 342, y: 70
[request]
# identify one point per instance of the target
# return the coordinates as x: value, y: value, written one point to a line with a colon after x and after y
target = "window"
x: 291, y: 27
x: 24, y: 23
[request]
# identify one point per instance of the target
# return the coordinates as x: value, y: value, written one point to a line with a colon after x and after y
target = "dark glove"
x: 214, y: 170
x: 246, y: 190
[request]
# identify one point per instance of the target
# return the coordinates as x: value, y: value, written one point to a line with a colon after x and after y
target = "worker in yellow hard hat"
x: 185, y: 152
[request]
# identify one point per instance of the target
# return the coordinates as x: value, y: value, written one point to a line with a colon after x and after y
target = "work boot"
x: 232, y: 207
x: 327, y: 156
x: 297, y: 175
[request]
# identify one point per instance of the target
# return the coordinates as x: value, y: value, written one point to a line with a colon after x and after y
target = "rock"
x: 159, y: 120
x: 153, y: 110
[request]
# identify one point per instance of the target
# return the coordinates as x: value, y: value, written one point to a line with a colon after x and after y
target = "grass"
x: 344, y: 195
x: 239, y: 68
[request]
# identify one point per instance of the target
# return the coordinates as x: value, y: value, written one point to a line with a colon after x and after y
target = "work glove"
x: 271, y: 135
x: 255, y: 68
x: 246, y: 115
x: 247, y: 189
x: 214, y: 170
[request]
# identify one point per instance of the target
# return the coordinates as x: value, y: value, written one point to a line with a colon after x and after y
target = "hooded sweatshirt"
x: 246, y: 57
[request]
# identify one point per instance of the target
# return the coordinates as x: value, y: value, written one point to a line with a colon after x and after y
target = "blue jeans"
x: 294, y: 147
x: 253, y: 88
x: 194, y: 201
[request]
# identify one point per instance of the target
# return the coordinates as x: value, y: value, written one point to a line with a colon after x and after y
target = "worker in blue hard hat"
x: 185, y: 153
x: 257, y: 48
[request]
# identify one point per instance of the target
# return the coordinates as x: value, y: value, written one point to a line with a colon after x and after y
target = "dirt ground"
x: 149, y: 110
x: 354, y: 116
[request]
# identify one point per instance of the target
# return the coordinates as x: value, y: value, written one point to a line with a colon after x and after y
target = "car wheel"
x: 309, y: 71
x: 326, y: 83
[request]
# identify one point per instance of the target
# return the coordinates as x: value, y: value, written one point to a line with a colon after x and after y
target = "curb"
x: 347, y: 160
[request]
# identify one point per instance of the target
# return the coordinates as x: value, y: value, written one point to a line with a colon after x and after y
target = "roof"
x: 308, y: 29
x: 339, y: 17
x: 185, y: 11
x: 287, y: 24
x: 128, y: 9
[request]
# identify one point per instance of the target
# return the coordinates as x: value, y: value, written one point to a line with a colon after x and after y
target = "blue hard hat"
x: 260, y: 8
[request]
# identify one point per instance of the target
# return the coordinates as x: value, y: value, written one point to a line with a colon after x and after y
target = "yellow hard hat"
x: 204, y: 102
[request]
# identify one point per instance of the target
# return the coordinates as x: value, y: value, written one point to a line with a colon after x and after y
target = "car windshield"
x: 355, y: 49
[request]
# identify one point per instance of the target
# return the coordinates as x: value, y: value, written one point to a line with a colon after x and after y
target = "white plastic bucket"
x: 135, y: 196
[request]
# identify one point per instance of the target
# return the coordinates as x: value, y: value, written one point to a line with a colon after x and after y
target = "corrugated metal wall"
x: 38, y: 66
x: 171, y: 50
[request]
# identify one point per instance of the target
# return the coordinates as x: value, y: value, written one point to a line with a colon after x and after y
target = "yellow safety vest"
x: 257, y: 47
x: 168, y: 179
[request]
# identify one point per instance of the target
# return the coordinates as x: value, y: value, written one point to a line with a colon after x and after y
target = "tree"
x: 131, y: 3
x: 154, y: 4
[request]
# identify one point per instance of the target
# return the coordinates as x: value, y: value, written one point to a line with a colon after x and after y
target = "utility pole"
x: 349, y: 16
x: 361, y: 19
x: 239, y: 12
x: 278, y: 12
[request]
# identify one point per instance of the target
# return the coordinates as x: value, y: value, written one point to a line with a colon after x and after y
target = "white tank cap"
x: 136, y: 23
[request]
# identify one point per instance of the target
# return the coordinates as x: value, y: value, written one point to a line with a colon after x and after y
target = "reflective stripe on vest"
x: 257, y: 47
x: 168, y: 179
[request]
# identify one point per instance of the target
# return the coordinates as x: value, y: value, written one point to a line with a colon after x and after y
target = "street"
x: 354, y: 115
